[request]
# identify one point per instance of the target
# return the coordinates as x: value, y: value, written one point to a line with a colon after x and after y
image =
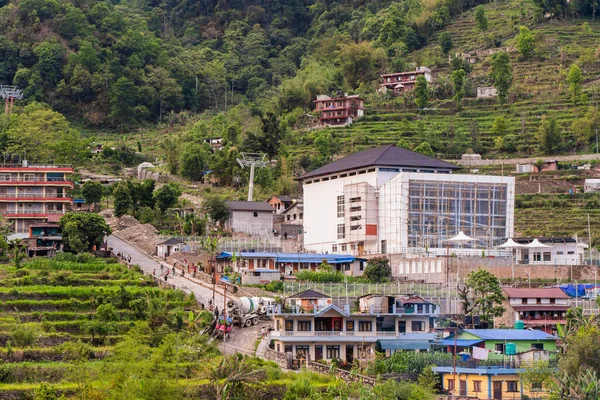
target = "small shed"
x: 259, y: 275
x: 168, y: 247
x: 307, y: 300
x: 486, y: 92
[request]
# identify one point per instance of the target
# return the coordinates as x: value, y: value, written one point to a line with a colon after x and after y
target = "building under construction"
x: 392, y: 200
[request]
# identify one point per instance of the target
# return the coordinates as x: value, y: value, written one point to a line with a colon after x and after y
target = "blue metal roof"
x: 510, y: 334
x: 459, y: 342
x: 294, y: 257
x: 404, y: 344
x: 480, y: 370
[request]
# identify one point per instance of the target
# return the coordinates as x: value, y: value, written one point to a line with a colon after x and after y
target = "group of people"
x: 191, y: 269
x: 123, y: 257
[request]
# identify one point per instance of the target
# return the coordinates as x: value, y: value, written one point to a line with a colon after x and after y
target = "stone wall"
x: 437, y: 269
x: 344, y: 375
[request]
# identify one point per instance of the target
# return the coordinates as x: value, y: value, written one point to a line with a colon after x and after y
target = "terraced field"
x: 70, y: 323
x: 539, y: 88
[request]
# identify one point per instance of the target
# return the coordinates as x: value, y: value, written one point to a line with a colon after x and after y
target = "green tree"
x: 500, y: 126
x: 501, y: 75
x: 122, y: 199
x: 424, y: 148
x: 537, y: 377
x: 459, y: 80
x: 272, y: 134
x: 358, y: 63
x: 446, y: 42
x: 549, y: 135
x: 216, y: 208
x: 104, y: 322
x: 480, y: 18
x: 525, y: 43
x: 19, y: 251
x: 487, y: 295
x: 421, y: 92
x: 378, y: 270
x: 575, y: 79
x: 167, y: 196
x: 82, y: 231
x: 193, y: 162
x: 92, y: 192
x: 166, y: 89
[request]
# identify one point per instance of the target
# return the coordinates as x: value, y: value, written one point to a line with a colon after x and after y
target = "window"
x: 500, y: 347
x: 355, y: 208
x: 570, y: 252
x: 340, y: 206
x: 354, y: 199
x: 287, y: 349
x: 477, y: 386
x: 333, y: 352
x: 346, y: 267
x: 288, y: 217
x: 418, y: 326
x: 560, y: 253
x: 511, y: 386
x: 537, y: 346
x: 365, y: 326
x: 341, y: 231
x: 451, y: 385
x: 4, y: 177
x: 536, y: 386
x: 344, y: 247
x: 302, y: 352
x: 304, y: 326
x: 334, y: 248
x: 255, y: 214
x: 547, y: 256
x: 301, y: 215
x: 289, y: 325
x: 537, y: 256
x: 350, y: 326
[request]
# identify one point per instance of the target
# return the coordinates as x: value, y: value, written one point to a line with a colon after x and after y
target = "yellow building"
x: 495, y: 383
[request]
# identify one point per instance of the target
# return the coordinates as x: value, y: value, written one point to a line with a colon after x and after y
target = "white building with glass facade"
x: 392, y: 200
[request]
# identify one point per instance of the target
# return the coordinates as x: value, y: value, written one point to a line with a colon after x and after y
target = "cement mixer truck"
x: 246, y: 311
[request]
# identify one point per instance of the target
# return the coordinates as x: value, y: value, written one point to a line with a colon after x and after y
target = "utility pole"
x: 252, y: 160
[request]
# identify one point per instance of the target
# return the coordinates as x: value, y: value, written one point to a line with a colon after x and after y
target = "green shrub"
x: 23, y: 336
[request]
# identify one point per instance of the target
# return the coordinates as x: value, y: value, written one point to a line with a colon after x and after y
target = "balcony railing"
x: 34, y: 196
x: 34, y: 181
x: 429, y: 310
x: 36, y: 212
x: 334, y: 333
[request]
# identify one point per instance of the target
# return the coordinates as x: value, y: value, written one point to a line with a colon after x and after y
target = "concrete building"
x: 44, y: 239
x: 34, y: 194
x: 486, y: 92
x: 291, y: 224
x: 327, y: 332
x: 391, y: 200
x: 400, y: 82
x: 259, y: 275
x: 254, y: 218
x: 538, y: 308
x: 168, y: 247
x: 291, y: 263
x: 555, y: 251
x: 282, y: 203
x: 339, y: 111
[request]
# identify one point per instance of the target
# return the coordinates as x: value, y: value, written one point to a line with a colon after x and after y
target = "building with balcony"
x: 339, y: 111
x: 34, y: 194
x: 538, y: 308
x: 44, y: 239
x: 391, y: 200
x: 487, y: 382
x: 400, y: 82
x: 326, y: 331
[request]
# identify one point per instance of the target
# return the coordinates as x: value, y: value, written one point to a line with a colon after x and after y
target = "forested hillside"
x: 157, y: 79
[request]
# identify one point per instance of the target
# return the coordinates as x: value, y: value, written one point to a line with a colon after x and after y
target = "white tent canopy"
x: 461, y: 238
x: 510, y: 244
x: 536, y: 244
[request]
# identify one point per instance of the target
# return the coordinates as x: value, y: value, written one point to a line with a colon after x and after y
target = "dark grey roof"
x: 249, y: 206
x: 171, y: 241
x: 553, y: 239
x: 287, y: 199
x: 309, y: 294
x: 388, y: 155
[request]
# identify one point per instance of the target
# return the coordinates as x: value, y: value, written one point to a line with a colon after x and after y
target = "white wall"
x: 245, y: 221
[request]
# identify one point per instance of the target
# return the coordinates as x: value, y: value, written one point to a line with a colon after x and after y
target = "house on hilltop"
x: 400, y: 82
x: 339, y: 111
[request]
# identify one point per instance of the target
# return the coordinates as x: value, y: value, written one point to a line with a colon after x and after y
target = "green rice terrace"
x: 88, y: 328
x: 539, y: 89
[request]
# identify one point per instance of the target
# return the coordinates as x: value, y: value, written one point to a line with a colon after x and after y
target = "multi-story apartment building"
x: 33, y: 194
x: 339, y: 111
x: 539, y: 308
x: 330, y: 332
x: 400, y: 82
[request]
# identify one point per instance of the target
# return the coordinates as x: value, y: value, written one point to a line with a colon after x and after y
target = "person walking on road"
x: 154, y: 272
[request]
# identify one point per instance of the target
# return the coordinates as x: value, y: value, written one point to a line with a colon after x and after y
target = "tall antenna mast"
x: 252, y: 160
x: 10, y: 93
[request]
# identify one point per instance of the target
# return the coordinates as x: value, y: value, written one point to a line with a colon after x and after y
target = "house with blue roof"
x: 253, y: 264
x: 492, y: 344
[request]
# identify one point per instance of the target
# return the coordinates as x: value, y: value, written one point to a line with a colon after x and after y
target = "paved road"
x: 148, y: 265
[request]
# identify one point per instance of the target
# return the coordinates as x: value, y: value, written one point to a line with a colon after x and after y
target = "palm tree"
x: 231, y: 374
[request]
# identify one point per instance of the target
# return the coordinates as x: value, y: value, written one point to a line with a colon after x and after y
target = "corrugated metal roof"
x: 404, y: 344
x: 510, y: 334
x: 171, y: 241
x: 249, y: 206
x: 388, y: 155
x: 459, y: 342
x: 480, y: 370
x: 294, y: 257
x: 545, y: 293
